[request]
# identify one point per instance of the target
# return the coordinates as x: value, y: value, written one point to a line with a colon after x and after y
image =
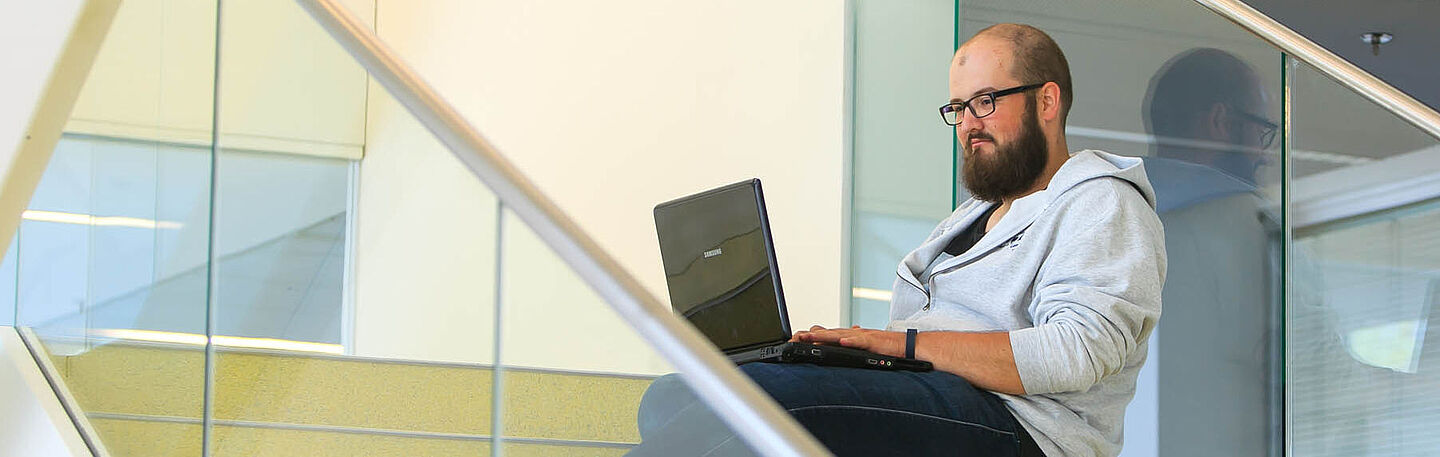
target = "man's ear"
x: 1049, y: 101
x: 1217, y: 122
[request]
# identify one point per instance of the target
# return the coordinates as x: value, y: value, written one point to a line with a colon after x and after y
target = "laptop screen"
x: 717, y: 264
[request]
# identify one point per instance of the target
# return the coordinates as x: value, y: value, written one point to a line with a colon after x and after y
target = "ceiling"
x: 1408, y: 62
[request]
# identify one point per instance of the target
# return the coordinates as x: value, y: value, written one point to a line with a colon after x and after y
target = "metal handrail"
x: 751, y: 413
x: 1341, y: 70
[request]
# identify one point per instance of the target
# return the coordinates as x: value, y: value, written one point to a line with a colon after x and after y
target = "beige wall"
x: 286, y: 86
x: 610, y: 107
x: 424, y: 249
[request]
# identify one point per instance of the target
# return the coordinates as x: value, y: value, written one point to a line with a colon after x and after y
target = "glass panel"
x: 110, y: 261
x: 1194, y: 95
x: 280, y: 245
x: 896, y: 204
x: 353, y: 302
x: 1364, y: 277
x: 686, y: 96
x: 576, y: 379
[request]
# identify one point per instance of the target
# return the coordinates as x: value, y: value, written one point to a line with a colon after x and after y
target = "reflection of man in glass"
x: 1034, y: 300
x: 1205, y: 108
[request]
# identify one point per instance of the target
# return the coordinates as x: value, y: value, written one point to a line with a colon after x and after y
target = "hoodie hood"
x: 1082, y: 167
x: 1091, y: 164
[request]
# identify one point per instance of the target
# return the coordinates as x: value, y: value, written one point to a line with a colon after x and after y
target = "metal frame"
x: 753, y: 415
x: 1341, y: 70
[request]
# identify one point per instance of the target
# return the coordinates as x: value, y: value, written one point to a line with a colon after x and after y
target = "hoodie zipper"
x: 922, y: 290
x: 931, y: 283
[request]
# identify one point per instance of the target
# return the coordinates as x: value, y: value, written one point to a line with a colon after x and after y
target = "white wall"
x: 34, y: 35
x: 32, y: 421
x: 610, y: 107
x: 43, y: 28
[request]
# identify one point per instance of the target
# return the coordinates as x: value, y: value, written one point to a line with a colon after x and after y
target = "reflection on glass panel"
x: 353, y: 255
x: 576, y: 379
x: 112, y: 232
x: 108, y: 268
x: 1364, y: 278
x: 897, y: 202
x: 111, y: 267
x: 280, y: 246
x: 1198, y: 98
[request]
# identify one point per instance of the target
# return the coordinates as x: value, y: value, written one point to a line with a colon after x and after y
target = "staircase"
x: 145, y: 399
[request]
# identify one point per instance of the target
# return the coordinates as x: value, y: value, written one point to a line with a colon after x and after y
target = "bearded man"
x: 1034, y: 300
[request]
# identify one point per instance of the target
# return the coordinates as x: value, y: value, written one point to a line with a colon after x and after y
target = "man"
x: 1033, y: 300
x: 1206, y: 110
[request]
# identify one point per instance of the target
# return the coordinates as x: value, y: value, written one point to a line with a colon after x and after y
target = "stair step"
x: 143, y: 397
x: 124, y: 437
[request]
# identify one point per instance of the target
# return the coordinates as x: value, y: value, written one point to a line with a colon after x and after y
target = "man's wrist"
x: 911, y: 335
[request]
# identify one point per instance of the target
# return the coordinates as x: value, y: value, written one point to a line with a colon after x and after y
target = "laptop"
x: 720, y: 268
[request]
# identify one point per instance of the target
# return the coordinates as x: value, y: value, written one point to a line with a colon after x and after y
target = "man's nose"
x: 967, y: 128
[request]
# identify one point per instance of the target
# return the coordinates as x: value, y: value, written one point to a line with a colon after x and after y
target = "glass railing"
x: 246, y: 243
x: 1205, y: 102
x: 1200, y: 100
x: 111, y: 257
x: 1364, y: 277
x: 896, y: 204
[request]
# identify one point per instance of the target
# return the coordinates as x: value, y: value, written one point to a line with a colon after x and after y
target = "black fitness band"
x: 910, y: 343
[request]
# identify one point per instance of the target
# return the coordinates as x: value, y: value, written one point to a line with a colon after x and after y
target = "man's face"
x: 1248, y: 129
x: 1005, y: 152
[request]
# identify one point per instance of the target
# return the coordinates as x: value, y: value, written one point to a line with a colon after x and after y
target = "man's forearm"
x: 983, y: 358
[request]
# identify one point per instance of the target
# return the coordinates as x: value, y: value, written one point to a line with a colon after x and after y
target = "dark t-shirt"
x: 972, y: 234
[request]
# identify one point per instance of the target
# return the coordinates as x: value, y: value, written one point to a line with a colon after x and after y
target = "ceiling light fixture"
x: 1376, y: 39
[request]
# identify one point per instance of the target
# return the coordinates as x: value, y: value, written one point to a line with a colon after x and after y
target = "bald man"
x: 1033, y: 300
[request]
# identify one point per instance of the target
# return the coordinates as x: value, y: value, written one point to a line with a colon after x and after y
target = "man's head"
x: 1009, y: 149
x: 1207, y: 106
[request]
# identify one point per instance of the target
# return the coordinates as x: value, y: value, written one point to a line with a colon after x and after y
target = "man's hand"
x: 877, y: 341
x: 983, y: 358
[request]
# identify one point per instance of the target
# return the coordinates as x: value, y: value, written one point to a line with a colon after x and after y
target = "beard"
x: 1013, y: 167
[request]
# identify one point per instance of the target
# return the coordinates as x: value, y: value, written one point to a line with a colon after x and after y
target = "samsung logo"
x: 712, y: 253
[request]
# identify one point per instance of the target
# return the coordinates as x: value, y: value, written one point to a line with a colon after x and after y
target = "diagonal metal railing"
x: 751, y: 413
x: 1342, y: 71
x: 1312, y: 210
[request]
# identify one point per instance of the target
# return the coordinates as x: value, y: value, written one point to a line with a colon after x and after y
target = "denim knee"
x: 666, y: 397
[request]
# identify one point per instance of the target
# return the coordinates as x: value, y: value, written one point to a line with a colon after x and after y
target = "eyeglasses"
x: 980, y: 105
x: 1267, y: 128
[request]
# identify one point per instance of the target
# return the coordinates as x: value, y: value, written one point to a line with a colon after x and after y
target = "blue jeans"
x: 851, y: 411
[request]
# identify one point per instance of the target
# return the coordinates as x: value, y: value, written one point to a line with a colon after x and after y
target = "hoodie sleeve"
x: 1097, y: 294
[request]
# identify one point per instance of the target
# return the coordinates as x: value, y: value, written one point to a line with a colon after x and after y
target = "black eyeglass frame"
x: 958, y: 107
x: 1268, y: 128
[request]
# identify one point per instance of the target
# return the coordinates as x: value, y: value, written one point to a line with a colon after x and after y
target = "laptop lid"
x: 720, y: 266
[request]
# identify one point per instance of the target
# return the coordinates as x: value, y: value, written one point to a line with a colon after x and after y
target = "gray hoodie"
x: 1074, y: 273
